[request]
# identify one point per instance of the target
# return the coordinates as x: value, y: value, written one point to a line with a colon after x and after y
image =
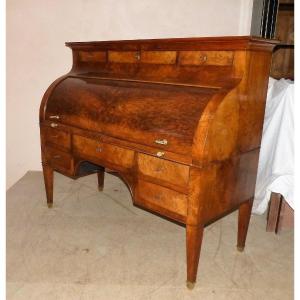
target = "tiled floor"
x: 96, y: 245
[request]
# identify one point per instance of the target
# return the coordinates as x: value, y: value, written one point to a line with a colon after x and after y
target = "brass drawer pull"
x: 98, y: 149
x: 53, y: 125
x: 160, y: 154
x: 54, y: 117
x: 56, y: 156
x: 161, y: 142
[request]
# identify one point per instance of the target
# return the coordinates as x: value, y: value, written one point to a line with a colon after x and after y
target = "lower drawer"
x: 160, y: 199
x: 59, y: 160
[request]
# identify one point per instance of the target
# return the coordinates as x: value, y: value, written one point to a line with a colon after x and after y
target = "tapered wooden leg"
x: 100, y: 175
x: 194, y: 236
x: 243, y: 223
x: 48, y: 179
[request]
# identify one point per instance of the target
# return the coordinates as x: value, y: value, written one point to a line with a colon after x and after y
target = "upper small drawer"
x: 92, y: 56
x: 124, y: 56
x: 148, y: 57
x: 197, y: 58
x: 158, y: 57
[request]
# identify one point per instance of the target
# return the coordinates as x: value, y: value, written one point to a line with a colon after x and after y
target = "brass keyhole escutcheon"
x: 203, y: 58
x: 159, y: 169
x: 157, y: 196
x: 137, y: 56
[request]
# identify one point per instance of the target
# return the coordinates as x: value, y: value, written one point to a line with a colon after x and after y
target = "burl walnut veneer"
x: 179, y: 120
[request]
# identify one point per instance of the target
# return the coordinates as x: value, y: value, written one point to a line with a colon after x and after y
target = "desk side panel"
x: 252, y: 98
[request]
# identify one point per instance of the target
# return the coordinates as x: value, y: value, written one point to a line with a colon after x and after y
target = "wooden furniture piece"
x: 280, y: 215
x: 283, y: 57
x: 180, y: 120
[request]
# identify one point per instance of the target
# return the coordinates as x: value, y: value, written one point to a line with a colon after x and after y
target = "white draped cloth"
x: 276, y: 159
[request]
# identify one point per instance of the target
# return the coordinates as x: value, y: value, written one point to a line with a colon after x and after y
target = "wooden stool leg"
x: 243, y: 223
x: 274, y: 212
x: 100, y: 175
x: 48, y: 179
x: 286, y: 216
x: 194, y: 236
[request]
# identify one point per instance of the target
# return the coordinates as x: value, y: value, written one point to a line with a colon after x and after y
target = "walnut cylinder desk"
x: 179, y: 120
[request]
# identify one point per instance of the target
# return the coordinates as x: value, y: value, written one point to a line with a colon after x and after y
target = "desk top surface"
x: 228, y: 42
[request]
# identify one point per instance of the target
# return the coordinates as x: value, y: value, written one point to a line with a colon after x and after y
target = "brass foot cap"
x: 50, y: 205
x: 240, y: 248
x: 100, y: 188
x: 190, y: 285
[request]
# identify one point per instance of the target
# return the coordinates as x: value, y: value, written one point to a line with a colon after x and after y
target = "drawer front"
x: 217, y: 58
x: 102, y: 151
x: 158, y: 57
x: 92, y: 56
x: 57, y: 137
x: 59, y: 160
x: 124, y: 56
x: 154, y: 197
x: 163, y: 170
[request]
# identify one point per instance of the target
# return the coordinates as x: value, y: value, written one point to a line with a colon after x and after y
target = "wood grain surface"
x: 180, y: 120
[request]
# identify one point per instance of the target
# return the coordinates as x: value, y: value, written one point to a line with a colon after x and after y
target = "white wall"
x: 36, y: 55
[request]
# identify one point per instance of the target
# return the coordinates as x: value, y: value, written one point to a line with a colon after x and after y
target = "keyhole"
x: 159, y: 169
x: 137, y: 56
